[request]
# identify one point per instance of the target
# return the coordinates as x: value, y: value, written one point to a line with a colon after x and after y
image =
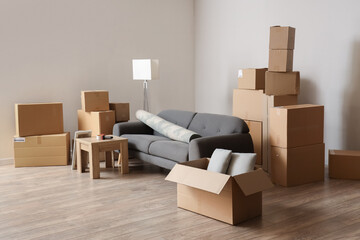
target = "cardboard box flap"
x: 253, y: 182
x: 198, y: 178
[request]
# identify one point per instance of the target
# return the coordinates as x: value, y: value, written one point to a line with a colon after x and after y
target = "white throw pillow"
x: 219, y: 161
x: 241, y: 163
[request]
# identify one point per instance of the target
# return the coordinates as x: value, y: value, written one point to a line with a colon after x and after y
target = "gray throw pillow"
x: 219, y: 161
x: 241, y: 163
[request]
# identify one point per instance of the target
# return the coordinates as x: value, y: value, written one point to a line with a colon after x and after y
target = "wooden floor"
x: 58, y: 203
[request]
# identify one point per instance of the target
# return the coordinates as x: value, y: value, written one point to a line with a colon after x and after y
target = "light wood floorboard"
x: 58, y: 203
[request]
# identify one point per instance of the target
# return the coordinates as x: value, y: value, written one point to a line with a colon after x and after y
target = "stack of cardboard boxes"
x: 40, y: 139
x: 95, y: 114
x: 297, y: 148
x: 98, y: 115
x: 261, y: 89
x: 295, y: 132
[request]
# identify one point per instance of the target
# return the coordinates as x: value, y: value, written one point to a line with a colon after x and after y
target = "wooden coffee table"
x: 89, y: 148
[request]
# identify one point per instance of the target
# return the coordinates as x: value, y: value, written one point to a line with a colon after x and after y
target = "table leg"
x: 108, y: 160
x: 123, y: 156
x: 94, y: 162
x: 113, y: 159
x: 80, y: 158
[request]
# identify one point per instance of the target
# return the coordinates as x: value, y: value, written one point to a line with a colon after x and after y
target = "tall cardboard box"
x: 122, y: 111
x: 42, y: 150
x: 253, y: 105
x: 281, y: 60
x: 98, y: 122
x: 38, y: 119
x: 278, y: 83
x: 296, y: 125
x: 252, y: 78
x: 256, y: 132
x: 219, y: 196
x: 344, y: 164
x: 249, y: 104
x: 297, y: 166
x: 282, y: 37
x: 273, y: 101
x: 94, y: 100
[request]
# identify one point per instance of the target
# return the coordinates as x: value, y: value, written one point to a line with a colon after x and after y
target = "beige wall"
x: 50, y: 50
x: 233, y: 34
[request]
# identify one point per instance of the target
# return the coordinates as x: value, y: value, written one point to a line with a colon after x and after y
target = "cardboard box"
x: 98, y: 122
x: 122, y: 111
x: 282, y: 37
x: 296, y: 166
x: 274, y: 101
x: 252, y: 78
x: 277, y: 83
x: 344, y: 164
x: 96, y: 100
x: 38, y: 119
x: 249, y: 104
x: 253, y: 105
x: 296, y: 125
x: 219, y: 196
x: 42, y: 150
x: 256, y: 133
x: 280, y: 60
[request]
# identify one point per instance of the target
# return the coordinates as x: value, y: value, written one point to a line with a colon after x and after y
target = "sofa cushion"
x: 141, y: 142
x: 173, y: 150
x: 166, y: 128
x: 207, y: 124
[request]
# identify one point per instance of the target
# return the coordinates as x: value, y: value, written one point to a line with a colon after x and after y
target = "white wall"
x: 50, y: 50
x: 234, y: 34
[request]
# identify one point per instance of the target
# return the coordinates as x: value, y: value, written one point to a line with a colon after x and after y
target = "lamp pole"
x: 146, y: 100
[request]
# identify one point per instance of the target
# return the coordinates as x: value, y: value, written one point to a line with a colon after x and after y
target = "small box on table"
x: 98, y: 122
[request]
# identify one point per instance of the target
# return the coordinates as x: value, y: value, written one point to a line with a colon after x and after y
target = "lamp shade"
x: 145, y: 69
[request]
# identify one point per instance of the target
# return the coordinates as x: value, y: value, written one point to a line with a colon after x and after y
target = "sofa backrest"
x: 207, y: 124
x: 178, y: 117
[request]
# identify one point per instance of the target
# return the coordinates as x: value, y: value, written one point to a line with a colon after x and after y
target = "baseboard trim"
x: 6, y: 161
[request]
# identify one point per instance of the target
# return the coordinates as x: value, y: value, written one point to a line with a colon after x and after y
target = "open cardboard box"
x: 216, y: 195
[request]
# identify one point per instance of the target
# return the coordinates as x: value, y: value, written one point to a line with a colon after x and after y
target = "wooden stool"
x: 89, y: 148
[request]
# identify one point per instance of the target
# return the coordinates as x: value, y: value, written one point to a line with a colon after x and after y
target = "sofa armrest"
x: 131, y: 128
x: 205, y: 146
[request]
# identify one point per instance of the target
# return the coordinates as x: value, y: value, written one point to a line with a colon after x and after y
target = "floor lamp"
x: 145, y: 70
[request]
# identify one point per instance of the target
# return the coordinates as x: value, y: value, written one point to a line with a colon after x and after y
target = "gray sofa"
x: 216, y: 131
